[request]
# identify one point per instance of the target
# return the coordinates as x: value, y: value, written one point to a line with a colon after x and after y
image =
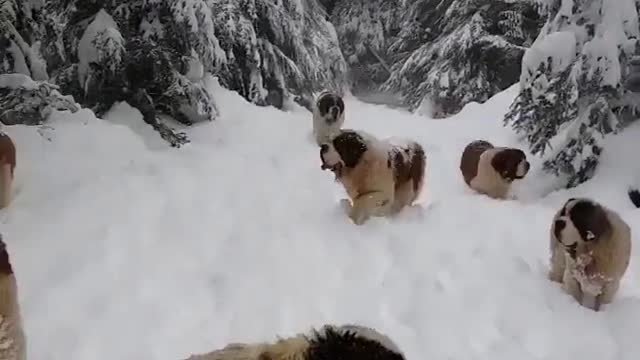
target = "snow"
x: 560, y: 45
x: 17, y: 80
x: 124, y: 250
x: 87, y: 51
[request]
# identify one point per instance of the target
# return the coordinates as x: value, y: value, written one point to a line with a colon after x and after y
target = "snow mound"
x: 126, y: 251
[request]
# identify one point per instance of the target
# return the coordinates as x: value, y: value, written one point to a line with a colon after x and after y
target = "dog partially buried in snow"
x: 590, y: 251
x: 12, y: 338
x: 7, y: 168
x: 381, y: 177
x: 491, y: 170
x: 328, y: 116
x: 347, y: 342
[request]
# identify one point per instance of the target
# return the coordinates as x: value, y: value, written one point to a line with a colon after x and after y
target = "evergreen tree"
x: 571, y: 87
x: 470, y: 51
x: 154, y: 53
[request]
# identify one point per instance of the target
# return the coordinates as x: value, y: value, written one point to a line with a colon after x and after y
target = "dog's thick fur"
x: 347, y: 342
x: 590, y: 251
x: 7, y: 168
x: 490, y: 170
x: 381, y: 177
x: 328, y: 116
x: 12, y: 335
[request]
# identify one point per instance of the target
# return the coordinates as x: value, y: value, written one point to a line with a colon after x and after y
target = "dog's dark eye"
x: 324, y: 148
x: 558, y: 226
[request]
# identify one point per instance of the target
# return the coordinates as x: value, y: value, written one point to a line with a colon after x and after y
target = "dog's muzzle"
x: 334, y: 111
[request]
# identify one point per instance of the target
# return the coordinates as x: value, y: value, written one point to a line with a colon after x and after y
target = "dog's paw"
x: 358, y: 217
x: 345, y: 205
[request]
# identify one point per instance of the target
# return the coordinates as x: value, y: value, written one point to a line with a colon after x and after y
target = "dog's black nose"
x: 324, y: 148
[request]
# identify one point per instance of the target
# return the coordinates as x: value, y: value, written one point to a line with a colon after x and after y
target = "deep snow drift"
x: 126, y: 249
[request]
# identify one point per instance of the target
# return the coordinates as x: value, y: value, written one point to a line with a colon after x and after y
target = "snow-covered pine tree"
x: 19, y: 34
x: 154, y: 53
x: 367, y: 29
x: 28, y: 102
x: 571, y: 84
x: 471, y: 50
x: 278, y: 50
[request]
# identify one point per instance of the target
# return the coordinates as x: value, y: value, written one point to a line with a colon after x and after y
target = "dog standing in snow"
x: 328, y: 116
x: 7, y: 167
x: 347, y: 342
x: 12, y: 335
x: 590, y: 251
x: 490, y: 170
x: 381, y: 177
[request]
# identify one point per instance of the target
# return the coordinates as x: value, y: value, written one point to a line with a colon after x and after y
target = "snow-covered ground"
x: 126, y: 249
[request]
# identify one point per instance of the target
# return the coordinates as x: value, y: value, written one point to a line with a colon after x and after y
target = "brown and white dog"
x: 590, y: 251
x: 347, y: 342
x: 328, y: 116
x: 12, y: 335
x: 490, y: 170
x: 380, y: 177
x: 7, y: 167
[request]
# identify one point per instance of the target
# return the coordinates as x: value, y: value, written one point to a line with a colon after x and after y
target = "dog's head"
x: 352, y: 342
x: 330, y: 106
x: 580, y: 224
x: 510, y: 163
x: 344, y: 150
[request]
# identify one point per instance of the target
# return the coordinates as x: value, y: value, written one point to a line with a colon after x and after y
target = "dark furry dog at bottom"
x: 346, y: 342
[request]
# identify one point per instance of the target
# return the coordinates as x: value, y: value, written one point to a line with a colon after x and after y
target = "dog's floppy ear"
x: 506, y: 161
x: 340, y: 104
x: 351, y: 146
x: 590, y: 219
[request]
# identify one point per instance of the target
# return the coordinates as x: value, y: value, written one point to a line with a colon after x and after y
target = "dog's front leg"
x: 374, y: 203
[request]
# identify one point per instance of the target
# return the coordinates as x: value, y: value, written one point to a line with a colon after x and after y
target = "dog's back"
x: 7, y: 151
x: 471, y: 157
x: 12, y: 335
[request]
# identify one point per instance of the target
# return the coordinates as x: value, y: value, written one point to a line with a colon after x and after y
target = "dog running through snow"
x: 381, y: 177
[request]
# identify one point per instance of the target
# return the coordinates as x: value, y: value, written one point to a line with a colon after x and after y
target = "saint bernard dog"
x: 328, y: 116
x: 590, y: 251
x: 381, y: 177
x: 12, y: 337
x: 490, y: 170
x: 346, y: 342
x: 7, y: 167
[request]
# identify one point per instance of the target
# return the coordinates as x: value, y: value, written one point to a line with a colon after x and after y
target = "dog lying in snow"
x: 347, y: 342
x: 491, y: 170
x: 12, y: 338
x: 7, y: 167
x: 590, y: 251
x: 380, y: 176
x: 328, y: 116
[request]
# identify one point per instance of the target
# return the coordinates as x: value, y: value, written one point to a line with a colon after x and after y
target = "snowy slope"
x: 125, y: 249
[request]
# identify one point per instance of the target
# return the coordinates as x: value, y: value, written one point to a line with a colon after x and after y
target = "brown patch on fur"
x: 471, y: 157
x: 418, y: 167
x: 590, y: 220
x: 351, y: 147
x: 506, y: 161
x: 7, y: 151
x: 5, y: 262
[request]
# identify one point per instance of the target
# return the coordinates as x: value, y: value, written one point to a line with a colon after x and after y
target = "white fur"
x: 522, y: 168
